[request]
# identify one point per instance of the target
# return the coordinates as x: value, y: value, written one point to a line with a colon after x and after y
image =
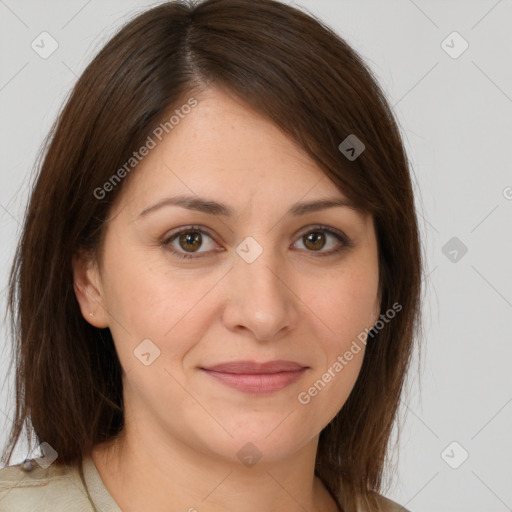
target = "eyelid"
x: 345, y: 241
x: 321, y: 227
x: 168, y: 238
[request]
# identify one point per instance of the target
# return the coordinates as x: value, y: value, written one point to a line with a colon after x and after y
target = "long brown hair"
x: 301, y: 75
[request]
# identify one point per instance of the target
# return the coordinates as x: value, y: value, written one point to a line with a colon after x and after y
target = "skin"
x: 183, y: 428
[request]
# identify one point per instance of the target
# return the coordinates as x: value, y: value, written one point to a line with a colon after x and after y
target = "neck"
x: 144, y: 473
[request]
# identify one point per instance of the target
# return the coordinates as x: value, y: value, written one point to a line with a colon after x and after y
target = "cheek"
x: 148, y: 301
x: 349, y: 306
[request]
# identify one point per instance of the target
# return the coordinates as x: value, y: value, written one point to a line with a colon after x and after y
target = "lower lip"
x: 257, y: 383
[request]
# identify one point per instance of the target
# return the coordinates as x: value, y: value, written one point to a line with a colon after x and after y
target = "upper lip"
x: 247, y: 367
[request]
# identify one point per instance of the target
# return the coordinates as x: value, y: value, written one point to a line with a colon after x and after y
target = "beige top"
x: 70, y: 489
x: 54, y: 489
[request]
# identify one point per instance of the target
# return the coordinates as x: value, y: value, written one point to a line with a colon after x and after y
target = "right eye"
x: 186, y: 242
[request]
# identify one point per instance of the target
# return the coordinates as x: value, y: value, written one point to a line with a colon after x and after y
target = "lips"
x: 256, y: 378
x: 255, y: 368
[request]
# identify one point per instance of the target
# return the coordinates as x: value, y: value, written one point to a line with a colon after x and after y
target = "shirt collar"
x: 98, y: 493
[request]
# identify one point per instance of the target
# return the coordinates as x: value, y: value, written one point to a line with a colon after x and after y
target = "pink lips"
x: 253, y: 377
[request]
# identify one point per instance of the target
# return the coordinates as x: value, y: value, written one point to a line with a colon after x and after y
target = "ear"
x: 88, y: 290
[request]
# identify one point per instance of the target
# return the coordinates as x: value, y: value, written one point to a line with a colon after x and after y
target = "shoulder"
x: 29, y: 486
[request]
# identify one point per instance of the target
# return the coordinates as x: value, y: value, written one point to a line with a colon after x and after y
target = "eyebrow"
x: 219, y: 209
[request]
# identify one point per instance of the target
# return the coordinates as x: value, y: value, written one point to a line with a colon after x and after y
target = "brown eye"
x: 190, y: 241
x: 314, y: 240
x: 323, y: 237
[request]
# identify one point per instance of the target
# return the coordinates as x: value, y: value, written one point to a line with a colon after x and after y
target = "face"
x: 185, y: 287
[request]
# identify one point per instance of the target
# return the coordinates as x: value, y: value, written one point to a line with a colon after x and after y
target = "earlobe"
x: 88, y: 291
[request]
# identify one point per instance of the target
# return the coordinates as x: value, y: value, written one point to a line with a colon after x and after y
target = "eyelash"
x: 345, y: 241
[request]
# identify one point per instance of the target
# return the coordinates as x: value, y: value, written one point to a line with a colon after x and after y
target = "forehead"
x: 224, y: 150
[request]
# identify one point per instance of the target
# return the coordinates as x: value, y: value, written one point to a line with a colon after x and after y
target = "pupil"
x: 315, y: 238
x: 190, y: 240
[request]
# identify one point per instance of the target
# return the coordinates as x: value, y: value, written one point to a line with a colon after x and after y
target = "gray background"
x: 455, y: 116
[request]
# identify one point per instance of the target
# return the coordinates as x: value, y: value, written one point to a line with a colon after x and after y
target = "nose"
x: 261, y: 298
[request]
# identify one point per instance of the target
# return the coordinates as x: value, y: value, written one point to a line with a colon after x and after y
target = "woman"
x: 216, y: 291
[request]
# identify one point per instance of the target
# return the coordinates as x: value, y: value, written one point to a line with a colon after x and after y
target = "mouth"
x: 257, y: 378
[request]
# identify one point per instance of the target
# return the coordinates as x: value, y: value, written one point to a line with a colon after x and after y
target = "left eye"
x: 190, y: 239
x: 318, y: 239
